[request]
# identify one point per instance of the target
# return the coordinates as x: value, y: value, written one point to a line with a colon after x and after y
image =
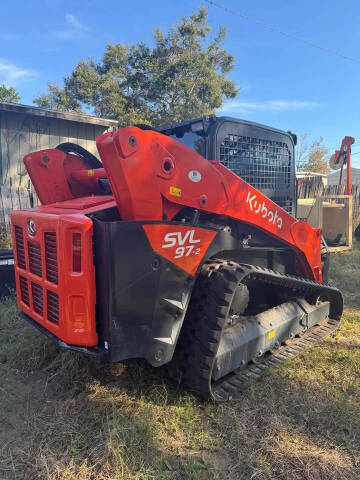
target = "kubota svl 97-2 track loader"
x: 162, y: 254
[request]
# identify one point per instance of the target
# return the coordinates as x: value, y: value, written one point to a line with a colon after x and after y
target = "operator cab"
x: 260, y: 155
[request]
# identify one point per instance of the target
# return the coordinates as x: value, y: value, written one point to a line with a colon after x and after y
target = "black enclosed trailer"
x: 7, y: 278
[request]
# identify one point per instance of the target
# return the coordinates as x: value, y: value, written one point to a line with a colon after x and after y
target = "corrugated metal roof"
x: 336, y: 173
x: 42, y: 112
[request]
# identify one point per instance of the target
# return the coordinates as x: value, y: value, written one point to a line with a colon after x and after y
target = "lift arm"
x: 153, y: 177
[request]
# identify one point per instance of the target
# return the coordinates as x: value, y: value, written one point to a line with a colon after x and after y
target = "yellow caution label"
x: 90, y: 173
x: 271, y: 334
x: 175, y: 191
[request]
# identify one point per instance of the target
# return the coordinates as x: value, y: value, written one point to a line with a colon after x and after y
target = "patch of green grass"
x: 21, y: 344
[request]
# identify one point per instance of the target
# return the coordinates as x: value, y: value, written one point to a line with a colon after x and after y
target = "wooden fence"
x: 314, y: 188
x: 12, y: 199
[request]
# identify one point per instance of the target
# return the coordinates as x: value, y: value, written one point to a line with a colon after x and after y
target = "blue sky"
x: 284, y: 83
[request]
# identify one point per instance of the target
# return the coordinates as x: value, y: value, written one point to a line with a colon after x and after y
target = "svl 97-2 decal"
x: 185, y: 240
x: 183, y: 245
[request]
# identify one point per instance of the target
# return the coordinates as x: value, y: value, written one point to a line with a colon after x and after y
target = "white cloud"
x: 73, y: 29
x: 236, y: 106
x: 73, y: 21
x: 12, y: 75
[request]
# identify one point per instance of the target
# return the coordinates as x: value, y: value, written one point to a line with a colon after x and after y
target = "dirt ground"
x: 65, y: 417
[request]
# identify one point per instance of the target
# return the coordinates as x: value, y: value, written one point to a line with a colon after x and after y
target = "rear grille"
x: 39, y: 277
x: 24, y: 290
x: 52, y: 307
x: 34, y: 253
x: 20, y: 249
x: 33, y: 292
x: 51, y: 257
x: 37, y: 298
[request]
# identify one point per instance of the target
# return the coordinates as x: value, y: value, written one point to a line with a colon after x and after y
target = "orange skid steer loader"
x: 157, y: 252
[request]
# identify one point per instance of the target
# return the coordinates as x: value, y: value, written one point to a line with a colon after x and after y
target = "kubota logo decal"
x: 172, y: 239
x: 260, y: 208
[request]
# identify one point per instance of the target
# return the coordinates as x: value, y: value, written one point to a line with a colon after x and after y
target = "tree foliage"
x: 184, y: 75
x: 57, y: 99
x: 9, y: 94
x: 313, y: 158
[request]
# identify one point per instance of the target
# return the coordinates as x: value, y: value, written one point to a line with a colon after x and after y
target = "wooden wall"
x: 11, y: 199
x: 21, y: 134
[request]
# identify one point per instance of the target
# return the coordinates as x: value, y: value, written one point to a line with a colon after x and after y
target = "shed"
x: 24, y: 129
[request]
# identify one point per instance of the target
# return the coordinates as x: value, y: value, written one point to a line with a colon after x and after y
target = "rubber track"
x: 202, y: 329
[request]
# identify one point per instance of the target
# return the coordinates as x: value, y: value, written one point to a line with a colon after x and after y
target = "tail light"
x: 76, y: 252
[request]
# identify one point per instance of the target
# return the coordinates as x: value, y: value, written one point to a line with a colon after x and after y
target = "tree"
x: 57, y: 99
x: 9, y: 94
x: 314, y: 158
x: 184, y: 75
x: 302, y: 149
x: 318, y: 159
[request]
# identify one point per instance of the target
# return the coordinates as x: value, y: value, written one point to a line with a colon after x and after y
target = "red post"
x: 346, y: 145
x: 348, y: 167
x: 341, y: 157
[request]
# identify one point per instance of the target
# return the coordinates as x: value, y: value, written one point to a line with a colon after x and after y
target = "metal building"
x: 24, y: 129
x: 334, y: 177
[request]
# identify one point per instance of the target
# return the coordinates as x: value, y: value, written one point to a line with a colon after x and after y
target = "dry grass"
x: 303, y: 423
x: 345, y: 274
x: 5, y: 238
x: 64, y: 417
